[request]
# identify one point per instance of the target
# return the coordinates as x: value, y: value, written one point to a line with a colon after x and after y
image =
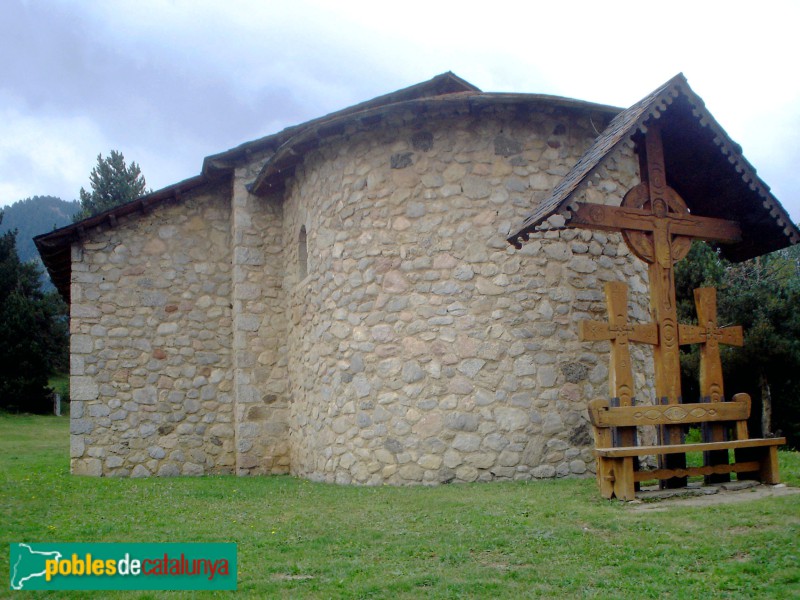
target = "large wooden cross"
x: 658, y: 228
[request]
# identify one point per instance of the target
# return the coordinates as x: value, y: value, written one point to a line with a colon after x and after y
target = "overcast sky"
x: 170, y: 82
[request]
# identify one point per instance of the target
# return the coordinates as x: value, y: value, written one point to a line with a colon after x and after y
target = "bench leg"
x: 767, y: 458
x: 605, y: 477
x: 769, y: 466
x: 624, y: 485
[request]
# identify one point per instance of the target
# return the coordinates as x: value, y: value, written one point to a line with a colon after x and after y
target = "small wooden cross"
x: 710, y: 335
x: 620, y: 333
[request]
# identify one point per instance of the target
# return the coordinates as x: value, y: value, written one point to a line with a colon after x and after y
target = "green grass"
x: 550, y: 539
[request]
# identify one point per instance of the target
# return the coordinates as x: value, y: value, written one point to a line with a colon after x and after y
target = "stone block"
x: 430, y: 461
x: 81, y: 344
x: 543, y: 471
x: 524, y: 365
x: 140, y: 471
x: 87, y: 466
x: 508, y: 458
x: 76, y: 409
x: 84, y: 311
x: 168, y: 469
x: 461, y: 421
x: 192, y: 469
x: 99, y: 410
x: 411, y: 472
x: 80, y: 426
x: 76, y: 446
x: 114, y: 462
x: 577, y: 467
x: 466, y: 442
x: 471, y: 366
x: 83, y: 388
x: 412, y: 372
x: 511, y: 419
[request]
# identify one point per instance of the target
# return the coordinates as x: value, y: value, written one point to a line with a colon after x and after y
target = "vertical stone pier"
x: 259, y: 332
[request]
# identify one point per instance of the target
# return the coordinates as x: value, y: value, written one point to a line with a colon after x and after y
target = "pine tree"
x: 762, y: 295
x: 113, y: 183
x: 33, y: 333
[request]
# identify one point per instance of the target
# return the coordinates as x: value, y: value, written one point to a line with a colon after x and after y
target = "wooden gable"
x: 702, y: 163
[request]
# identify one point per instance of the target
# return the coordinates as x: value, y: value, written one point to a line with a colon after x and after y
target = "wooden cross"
x: 710, y: 336
x: 658, y: 228
x: 619, y: 332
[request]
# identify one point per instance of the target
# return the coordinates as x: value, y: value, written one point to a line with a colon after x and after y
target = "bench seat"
x: 684, y: 448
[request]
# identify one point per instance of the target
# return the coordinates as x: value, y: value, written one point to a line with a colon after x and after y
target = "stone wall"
x: 259, y: 338
x: 151, y: 369
x: 422, y: 348
x: 399, y: 339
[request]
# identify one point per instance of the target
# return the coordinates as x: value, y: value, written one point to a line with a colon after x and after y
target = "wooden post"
x: 666, y: 356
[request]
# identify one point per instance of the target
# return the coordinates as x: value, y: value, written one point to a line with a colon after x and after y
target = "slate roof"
x: 54, y: 247
x: 288, y: 147
x: 703, y: 165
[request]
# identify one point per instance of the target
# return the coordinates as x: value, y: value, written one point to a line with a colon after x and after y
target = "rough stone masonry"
x: 360, y: 318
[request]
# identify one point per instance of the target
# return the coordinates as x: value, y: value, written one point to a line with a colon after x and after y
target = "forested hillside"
x: 34, y: 216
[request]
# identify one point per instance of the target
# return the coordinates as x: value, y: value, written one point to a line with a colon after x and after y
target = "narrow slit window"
x: 302, y: 253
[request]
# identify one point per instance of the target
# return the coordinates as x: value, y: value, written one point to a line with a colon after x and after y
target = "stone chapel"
x: 340, y: 301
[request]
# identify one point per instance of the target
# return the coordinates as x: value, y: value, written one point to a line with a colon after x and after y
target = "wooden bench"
x: 618, y: 473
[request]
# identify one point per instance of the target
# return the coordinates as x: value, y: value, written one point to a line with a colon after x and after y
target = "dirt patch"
x: 721, y: 497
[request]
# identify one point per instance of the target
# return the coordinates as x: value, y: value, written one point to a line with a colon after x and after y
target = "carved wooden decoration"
x: 658, y: 228
x: 681, y: 414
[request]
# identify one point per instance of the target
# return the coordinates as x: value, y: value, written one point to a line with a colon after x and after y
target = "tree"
x: 33, y: 333
x: 113, y: 183
x: 762, y: 295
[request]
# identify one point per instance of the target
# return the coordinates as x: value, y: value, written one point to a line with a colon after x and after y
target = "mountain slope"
x: 34, y: 216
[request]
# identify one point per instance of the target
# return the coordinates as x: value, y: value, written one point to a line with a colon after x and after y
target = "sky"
x: 168, y: 82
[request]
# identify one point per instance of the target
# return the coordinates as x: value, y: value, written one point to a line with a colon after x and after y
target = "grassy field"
x: 550, y: 539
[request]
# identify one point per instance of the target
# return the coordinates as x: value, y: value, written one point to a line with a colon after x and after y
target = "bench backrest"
x: 603, y: 415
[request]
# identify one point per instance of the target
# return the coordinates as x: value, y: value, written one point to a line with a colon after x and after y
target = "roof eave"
x: 55, y: 246
x: 556, y: 210
x: 281, y: 164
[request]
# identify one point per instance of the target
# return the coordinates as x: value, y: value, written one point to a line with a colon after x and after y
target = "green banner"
x: 122, y: 566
